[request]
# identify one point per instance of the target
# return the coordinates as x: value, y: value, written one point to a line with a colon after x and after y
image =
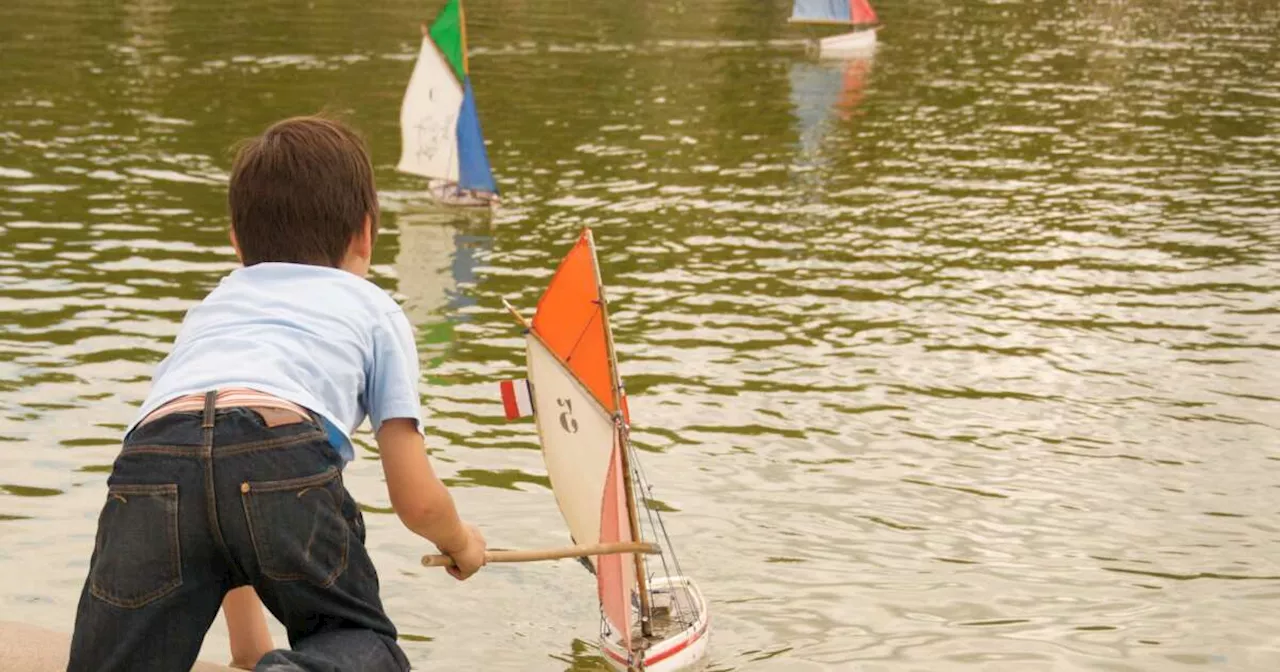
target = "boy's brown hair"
x: 299, y: 192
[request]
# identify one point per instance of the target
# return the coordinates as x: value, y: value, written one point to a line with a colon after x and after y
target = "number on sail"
x: 566, y: 416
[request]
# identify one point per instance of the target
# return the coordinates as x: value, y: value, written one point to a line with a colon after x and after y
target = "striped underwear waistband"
x: 229, y: 398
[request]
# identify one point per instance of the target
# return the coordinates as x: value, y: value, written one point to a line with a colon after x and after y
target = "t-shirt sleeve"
x: 391, y: 388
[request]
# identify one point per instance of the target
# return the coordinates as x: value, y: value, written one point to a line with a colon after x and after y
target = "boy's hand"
x: 421, y: 500
x: 470, y: 558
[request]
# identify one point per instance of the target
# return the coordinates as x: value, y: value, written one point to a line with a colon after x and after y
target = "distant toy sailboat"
x: 439, y: 125
x: 652, y: 618
x: 839, y: 12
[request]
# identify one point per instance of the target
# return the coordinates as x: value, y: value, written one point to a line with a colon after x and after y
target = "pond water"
x: 962, y: 356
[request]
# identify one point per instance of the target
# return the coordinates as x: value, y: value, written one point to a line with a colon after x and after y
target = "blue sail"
x: 473, y: 159
x: 826, y: 11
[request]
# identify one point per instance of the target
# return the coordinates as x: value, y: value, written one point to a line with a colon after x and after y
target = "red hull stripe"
x: 663, y: 655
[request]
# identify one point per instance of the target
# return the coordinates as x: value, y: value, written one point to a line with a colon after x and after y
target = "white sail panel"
x: 429, y: 117
x: 577, y: 439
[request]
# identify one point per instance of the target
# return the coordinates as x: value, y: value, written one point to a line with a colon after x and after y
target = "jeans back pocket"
x: 298, y: 530
x: 136, y: 558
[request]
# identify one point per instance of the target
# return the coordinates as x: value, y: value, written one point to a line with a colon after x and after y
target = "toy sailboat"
x: 440, y: 131
x: 652, y: 617
x: 839, y: 12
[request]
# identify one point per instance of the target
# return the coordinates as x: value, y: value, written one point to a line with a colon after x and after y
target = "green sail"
x: 447, y: 32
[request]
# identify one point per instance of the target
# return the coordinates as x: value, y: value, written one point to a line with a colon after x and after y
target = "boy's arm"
x: 421, y: 501
x: 250, y: 639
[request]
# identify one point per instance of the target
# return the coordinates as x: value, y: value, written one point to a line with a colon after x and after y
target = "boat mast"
x: 624, y: 442
x: 462, y: 24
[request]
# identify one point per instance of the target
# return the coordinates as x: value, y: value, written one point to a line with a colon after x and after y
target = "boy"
x: 229, y: 483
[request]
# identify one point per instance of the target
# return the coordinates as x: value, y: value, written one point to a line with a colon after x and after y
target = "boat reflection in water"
x: 439, y: 252
x: 825, y: 94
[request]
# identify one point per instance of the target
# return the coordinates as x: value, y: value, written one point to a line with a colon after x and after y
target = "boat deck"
x: 672, y: 612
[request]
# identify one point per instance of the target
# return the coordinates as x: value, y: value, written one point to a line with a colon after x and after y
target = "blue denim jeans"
x: 200, y: 503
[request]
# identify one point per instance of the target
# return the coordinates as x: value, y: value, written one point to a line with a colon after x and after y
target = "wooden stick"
x: 515, y: 313
x: 550, y: 553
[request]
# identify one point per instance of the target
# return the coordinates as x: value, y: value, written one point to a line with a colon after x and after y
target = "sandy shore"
x: 25, y: 648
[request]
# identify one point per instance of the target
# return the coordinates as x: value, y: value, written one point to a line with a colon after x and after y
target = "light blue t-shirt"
x: 320, y: 337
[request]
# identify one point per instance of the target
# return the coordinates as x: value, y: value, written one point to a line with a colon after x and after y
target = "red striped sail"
x: 615, y: 574
x: 860, y: 12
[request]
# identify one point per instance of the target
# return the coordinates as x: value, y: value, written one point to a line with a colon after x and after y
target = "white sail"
x: 429, y: 117
x: 577, y: 439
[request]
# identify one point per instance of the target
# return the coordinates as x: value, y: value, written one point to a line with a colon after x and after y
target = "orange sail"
x: 570, y: 321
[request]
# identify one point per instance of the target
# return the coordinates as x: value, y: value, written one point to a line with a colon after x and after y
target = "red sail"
x: 615, y: 577
x: 860, y: 12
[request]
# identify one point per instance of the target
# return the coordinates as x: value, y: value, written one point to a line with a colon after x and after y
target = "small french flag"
x: 516, y: 400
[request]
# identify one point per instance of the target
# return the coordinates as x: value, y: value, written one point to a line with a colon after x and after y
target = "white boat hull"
x: 857, y: 43
x: 448, y: 194
x: 679, y: 651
